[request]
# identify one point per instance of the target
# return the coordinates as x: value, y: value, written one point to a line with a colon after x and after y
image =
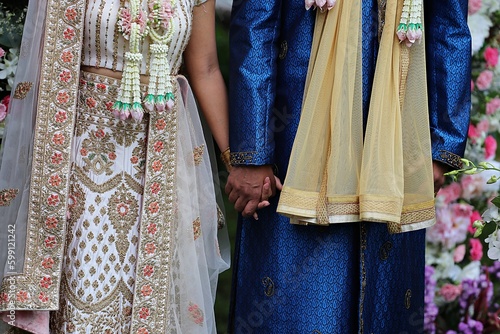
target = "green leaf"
x: 496, y: 201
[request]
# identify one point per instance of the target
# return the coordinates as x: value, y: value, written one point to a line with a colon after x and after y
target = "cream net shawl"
x: 335, y: 175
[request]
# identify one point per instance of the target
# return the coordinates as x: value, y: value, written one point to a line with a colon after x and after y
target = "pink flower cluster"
x: 454, y: 219
x: 4, y: 107
x: 474, y: 6
x: 322, y: 4
x: 452, y: 222
x: 2, y: 52
x: 490, y: 147
x: 485, y: 78
x: 125, y: 22
x: 491, y: 56
x: 450, y: 292
x: 483, y: 81
x: 160, y: 16
x: 493, y: 106
x: 476, y: 249
x: 476, y: 133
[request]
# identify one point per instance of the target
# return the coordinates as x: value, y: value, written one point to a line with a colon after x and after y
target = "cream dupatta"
x: 335, y: 175
x: 178, y: 189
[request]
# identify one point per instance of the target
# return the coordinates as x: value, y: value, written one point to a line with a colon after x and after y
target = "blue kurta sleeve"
x: 448, y: 48
x: 254, y: 49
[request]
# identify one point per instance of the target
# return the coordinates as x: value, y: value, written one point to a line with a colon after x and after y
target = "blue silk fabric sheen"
x: 344, y: 278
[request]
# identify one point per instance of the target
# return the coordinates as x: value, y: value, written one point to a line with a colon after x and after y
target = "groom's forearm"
x: 448, y: 48
x: 254, y: 33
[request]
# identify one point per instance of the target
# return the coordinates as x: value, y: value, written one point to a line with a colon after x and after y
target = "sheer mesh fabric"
x: 388, y: 176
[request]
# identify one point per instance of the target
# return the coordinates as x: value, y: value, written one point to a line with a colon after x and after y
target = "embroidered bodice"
x: 104, y: 46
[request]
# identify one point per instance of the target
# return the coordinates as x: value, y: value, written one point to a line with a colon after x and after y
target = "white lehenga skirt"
x: 106, y: 191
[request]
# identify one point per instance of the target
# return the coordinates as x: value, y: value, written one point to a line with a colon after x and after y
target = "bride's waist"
x: 111, y: 73
x: 118, y: 74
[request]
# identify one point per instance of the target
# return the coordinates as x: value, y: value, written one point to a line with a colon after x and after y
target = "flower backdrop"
x: 463, y: 271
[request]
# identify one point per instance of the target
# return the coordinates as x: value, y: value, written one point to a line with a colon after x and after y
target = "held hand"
x: 245, y: 187
x: 266, y: 194
x: 438, y: 169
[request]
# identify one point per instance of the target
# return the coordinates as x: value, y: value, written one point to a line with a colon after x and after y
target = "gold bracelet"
x: 226, y: 159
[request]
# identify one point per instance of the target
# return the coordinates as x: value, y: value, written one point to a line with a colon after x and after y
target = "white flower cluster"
x: 8, y: 66
x: 493, y: 240
x: 479, y: 20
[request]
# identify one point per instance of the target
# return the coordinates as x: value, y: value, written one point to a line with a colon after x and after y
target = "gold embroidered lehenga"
x: 113, y: 223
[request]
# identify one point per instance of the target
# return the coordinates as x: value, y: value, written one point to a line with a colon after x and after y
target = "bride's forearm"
x: 204, y: 74
x: 211, y: 94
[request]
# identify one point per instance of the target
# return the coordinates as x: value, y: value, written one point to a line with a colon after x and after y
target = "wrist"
x: 225, y: 156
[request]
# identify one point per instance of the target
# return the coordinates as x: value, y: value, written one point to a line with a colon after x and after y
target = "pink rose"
x: 491, y: 56
x: 483, y: 81
x: 451, y: 225
x: 493, y: 106
x: 483, y: 126
x: 476, y: 249
x: 473, y: 132
x: 490, y: 147
x: 462, y: 210
x: 3, y: 112
x: 451, y: 192
x: 474, y: 6
x: 450, y: 292
x: 2, y: 52
x: 6, y: 101
x: 475, y: 216
x: 459, y: 254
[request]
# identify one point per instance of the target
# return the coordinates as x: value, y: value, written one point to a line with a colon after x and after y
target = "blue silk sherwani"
x: 344, y: 278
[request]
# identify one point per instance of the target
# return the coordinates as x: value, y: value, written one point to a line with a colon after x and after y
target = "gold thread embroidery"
x: 268, y: 283
x: 198, y: 154
x: 98, y: 34
x: 221, y: 220
x: 239, y: 158
x: 451, y: 159
x: 22, y: 90
x: 123, y: 213
x: 408, y: 299
x: 155, y: 250
x: 7, y: 196
x: 99, y: 188
x: 44, y: 253
x: 197, y: 228
x: 283, y: 50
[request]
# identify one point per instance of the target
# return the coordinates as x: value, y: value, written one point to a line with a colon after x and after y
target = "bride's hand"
x: 266, y: 194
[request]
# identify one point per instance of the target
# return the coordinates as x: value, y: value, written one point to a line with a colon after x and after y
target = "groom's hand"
x: 438, y: 169
x: 245, y: 187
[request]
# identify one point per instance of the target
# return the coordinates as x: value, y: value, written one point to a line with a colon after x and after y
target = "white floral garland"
x: 410, y: 25
x: 135, y: 25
